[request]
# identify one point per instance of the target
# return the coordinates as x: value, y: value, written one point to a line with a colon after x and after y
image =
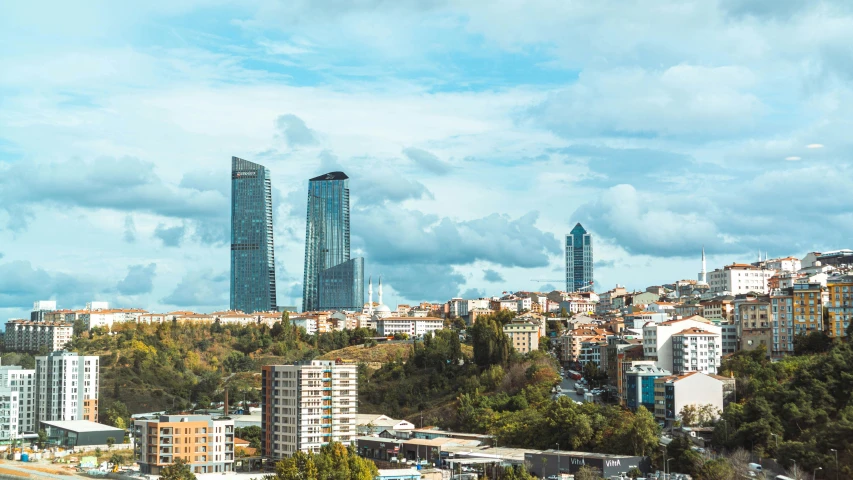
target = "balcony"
x: 165, y: 450
x: 165, y: 459
x: 166, y: 431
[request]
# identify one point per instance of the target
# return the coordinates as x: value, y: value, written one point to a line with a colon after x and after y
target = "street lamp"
x: 558, y: 461
x: 814, y: 475
x: 666, y: 467
x: 777, y: 440
x: 836, y: 462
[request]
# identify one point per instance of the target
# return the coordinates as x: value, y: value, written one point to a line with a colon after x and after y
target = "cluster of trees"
x: 174, y: 366
x: 333, y: 462
x: 798, y: 409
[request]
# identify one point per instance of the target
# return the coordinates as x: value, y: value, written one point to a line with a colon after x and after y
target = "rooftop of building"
x: 696, y: 331
x: 330, y: 176
x: 82, y: 426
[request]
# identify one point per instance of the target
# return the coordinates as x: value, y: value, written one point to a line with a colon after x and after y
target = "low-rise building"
x: 29, y: 336
x: 673, y: 393
x: 411, y: 326
x: 640, y: 385
x: 206, y: 444
x: 70, y: 434
x: 523, y: 336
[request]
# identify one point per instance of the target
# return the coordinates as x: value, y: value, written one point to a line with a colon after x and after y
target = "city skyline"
x: 253, y: 286
x: 473, y: 136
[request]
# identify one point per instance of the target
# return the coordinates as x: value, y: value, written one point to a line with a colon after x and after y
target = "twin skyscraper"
x: 332, y: 280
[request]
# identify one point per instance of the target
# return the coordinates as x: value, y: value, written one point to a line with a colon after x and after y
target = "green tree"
x: 117, y: 414
x: 491, y: 345
x: 42, y: 438
x: 117, y: 460
x: 179, y: 470
x: 718, y: 469
x: 588, y: 473
x: 110, y: 442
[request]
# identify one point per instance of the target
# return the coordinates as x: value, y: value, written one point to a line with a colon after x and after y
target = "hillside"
x: 379, y: 353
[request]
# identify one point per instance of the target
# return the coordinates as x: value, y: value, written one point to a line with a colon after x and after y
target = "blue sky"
x: 476, y: 134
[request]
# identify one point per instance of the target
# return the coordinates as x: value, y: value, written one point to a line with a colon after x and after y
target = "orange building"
x: 206, y: 444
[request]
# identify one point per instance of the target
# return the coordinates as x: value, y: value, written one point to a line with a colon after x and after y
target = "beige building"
x: 524, y: 337
x: 754, y: 324
x: 206, y: 444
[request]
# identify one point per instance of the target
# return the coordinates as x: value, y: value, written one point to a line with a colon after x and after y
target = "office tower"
x: 332, y: 281
x: 67, y: 387
x: 252, y: 256
x: 23, y: 382
x: 206, y: 444
x: 578, y: 260
x: 307, y: 405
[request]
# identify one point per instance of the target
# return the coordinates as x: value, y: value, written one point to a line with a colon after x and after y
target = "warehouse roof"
x: 81, y: 426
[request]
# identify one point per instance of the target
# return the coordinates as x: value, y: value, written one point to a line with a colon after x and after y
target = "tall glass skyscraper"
x: 252, y: 253
x: 578, y: 260
x: 332, y: 281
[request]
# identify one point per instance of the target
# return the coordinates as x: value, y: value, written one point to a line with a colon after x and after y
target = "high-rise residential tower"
x: 67, y: 387
x: 252, y: 255
x: 333, y: 280
x: 578, y: 260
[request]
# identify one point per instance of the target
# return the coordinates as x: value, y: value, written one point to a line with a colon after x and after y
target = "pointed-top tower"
x: 703, y: 275
x: 578, y: 260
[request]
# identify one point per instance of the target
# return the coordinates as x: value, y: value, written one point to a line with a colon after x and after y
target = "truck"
x: 574, y: 375
x: 579, y: 389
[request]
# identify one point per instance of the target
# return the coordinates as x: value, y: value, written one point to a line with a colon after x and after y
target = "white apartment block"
x: 306, y: 406
x: 740, y: 278
x: 28, y: 336
x: 411, y: 326
x: 206, y: 444
x: 658, y: 341
x: 8, y: 415
x: 696, y: 350
x: 309, y: 323
x: 106, y: 318
x: 787, y: 264
x: 67, y: 387
x: 23, y: 382
x: 674, y: 393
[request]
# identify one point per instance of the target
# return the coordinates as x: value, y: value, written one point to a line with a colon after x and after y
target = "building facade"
x: 808, y: 308
x: 23, y: 382
x: 306, y: 406
x: 579, y: 260
x: 29, y: 336
x: 840, y: 305
x: 523, y: 336
x: 740, y: 278
x: 206, y: 444
x: 67, y: 387
x: 754, y: 324
x: 252, y: 249
x: 411, y: 326
x: 639, y: 386
x: 697, y: 389
x: 8, y: 414
x: 696, y: 350
x: 332, y: 280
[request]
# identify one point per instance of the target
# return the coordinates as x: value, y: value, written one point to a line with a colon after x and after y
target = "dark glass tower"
x: 578, y: 260
x: 252, y: 256
x: 332, y: 281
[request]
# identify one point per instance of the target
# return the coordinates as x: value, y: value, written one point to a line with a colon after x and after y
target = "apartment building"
x: 411, y: 326
x: 206, y: 444
x: 695, y: 349
x: 573, y: 340
x: 740, y: 278
x: 23, y: 382
x: 106, y: 318
x: 720, y: 310
x: 523, y: 336
x: 728, y: 332
x: 782, y: 316
x: 673, y: 393
x: 67, y: 387
x: 29, y: 336
x: 8, y: 415
x: 639, y: 385
x: 808, y: 308
x: 307, y: 405
x: 658, y: 343
x: 839, y: 305
x: 753, y: 321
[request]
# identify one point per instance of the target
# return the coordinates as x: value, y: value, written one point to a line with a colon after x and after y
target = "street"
x: 568, y: 386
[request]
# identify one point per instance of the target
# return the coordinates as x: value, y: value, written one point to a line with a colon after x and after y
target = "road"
x: 568, y: 386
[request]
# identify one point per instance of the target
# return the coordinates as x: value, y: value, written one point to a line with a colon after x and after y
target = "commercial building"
x: 80, y: 433
x: 411, y: 326
x: 523, y: 336
x: 839, y: 305
x: 551, y: 462
x: 697, y: 389
x: 332, y: 280
x: 67, y: 387
x: 23, y: 382
x: 252, y: 252
x: 640, y: 386
x: 8, y: 415
x: 306, y: 406
x: 205, y: 443
x: 579, y: 262
x: 29, y: 336
x: 740, y: 278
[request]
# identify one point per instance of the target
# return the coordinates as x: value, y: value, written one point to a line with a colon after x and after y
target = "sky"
x: 475, y: 133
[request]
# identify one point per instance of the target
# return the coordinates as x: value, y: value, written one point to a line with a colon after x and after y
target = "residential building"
x: 808, y: 308
x: 306, y: 406
x: 41, y: 308
x: 782, y: 316
x: 206, y: 444
x: 332, y: 280
x: 836, y: 258
x: 572, y: 341
x: 67, y: 387
x: 754, y: 323
x: 640, y: 386
x: 740, y: 278
x: 411, y: 326
x: 23, y: 382
x: 658, y: 338
x: 29, y: 336
x: 839, y: 305
x: 728, y: 332
x: 720, y: 310
x: 695, y: 349
x: 625, y: 361
x: 105, y: 318
x: 606, y: 299
x: 639, y: 319
x: 673, y: 393
x: 787, y: 264
x: 579, y: 260
x: 252, y: 248
x: 591, y: 350
x: 8, y: 415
